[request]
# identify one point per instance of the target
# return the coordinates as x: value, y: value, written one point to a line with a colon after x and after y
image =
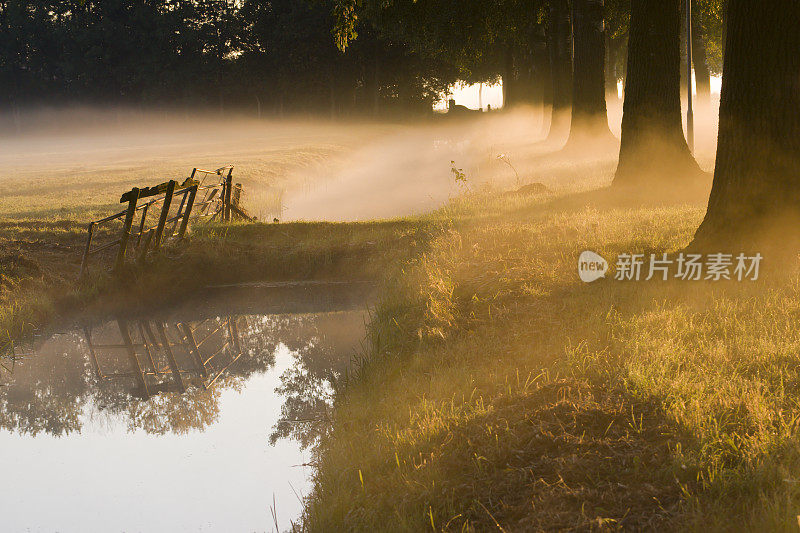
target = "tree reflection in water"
x: 167, y: 377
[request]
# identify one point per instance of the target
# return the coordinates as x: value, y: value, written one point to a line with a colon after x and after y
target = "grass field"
x: 504, y: 394
x: 499, y: 392
x: 67, y: 168
x: 66, y: 171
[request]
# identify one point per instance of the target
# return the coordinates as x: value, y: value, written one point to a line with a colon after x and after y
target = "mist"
x: 301, y: 169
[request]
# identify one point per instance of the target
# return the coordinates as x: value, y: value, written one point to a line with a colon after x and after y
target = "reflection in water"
x: 166, y: 378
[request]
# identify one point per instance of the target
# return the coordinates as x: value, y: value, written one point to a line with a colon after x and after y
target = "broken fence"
x: 217, y: 200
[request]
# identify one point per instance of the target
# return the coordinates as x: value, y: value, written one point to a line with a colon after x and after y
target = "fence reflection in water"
x: 168, y: 357
x: 167, y: 374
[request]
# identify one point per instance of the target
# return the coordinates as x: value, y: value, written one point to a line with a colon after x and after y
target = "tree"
x: 617, y: 21
x: 560, y: 45
x: 707, y: 46
x: 288, y: 54
x: 702, y: 72
x: 757, y: 176
x: 589, y: 116
x: 652, y: 146
x: 461, y: 41
x: 709, y: 20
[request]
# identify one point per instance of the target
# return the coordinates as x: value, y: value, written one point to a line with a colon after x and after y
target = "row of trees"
x: 270, y: 56
x: 321, y: 55
x: 755, y: 195
x: 377, y: 54
x: 756, y: 187
x: 566, y: 43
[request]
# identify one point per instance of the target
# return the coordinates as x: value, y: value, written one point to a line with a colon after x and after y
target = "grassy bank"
x: 56, y: 180
x: 501, y: 393
x: 39, y: 281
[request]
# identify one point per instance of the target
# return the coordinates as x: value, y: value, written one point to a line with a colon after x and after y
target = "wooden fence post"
x: 137, y: 369
x: 146, y: 327
x: 221, y: 209
x: 164, y: 214
x: 237, y: 195
x: 226, y: 214
x: 193, y: 349
x: 143, y: 249
x: 126, y: 229
x: 141, y: 224
x: 233, y: 331
x: 86, y: 251
x: 173, y: 364
x: 95, y: 363
x: 188, y: 212
x: 179, y: 215
x: 148, y: 351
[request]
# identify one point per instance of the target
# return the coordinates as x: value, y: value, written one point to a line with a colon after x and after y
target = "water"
x: 90, y: 442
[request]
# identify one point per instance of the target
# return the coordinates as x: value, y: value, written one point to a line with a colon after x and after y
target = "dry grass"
x: 79, y: 173
x: 69, y: 168
x: 55, y: 179
x: 504, y: 394
x: 500, y: 393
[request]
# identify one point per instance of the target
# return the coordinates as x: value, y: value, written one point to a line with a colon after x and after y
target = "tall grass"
x: 503, y: 393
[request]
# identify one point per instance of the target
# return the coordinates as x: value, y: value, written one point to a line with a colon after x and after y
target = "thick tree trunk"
x: 757, y: 178
x: 702, y: 74
x: 589, y: 116
x: 528, y: 89
x: 560, y: 43
x: 541, y: 78
x: 653, y: 148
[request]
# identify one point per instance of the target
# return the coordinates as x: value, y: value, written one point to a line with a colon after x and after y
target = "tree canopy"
x: 335, y: 56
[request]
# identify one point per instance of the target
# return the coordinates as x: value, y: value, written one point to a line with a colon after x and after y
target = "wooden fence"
x: 219, y: 199
x: 168, y: 358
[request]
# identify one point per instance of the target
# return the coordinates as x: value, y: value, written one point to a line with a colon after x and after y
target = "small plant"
x: 504, y: 159
x: 458, y: 173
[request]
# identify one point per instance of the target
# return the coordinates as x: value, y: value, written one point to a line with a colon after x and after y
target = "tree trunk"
x: 652, y: 148
x: 702, y: 74
x: 611, y: 71
x: 376, y: 80
x: 589, y: 116
x: 560, y: 43
x: 540, y: 78
x: 546, y: 80
x: 756, y: 185
x: 332, y: 100
x: 530, y: 67
x: 371, y: 79
x: 523, y: 68
x: 509, y: 81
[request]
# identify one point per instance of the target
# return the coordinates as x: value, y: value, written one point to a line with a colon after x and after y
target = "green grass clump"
x: 500, y: 392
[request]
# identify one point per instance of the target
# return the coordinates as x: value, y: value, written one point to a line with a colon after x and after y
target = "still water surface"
x: 208, y: 426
